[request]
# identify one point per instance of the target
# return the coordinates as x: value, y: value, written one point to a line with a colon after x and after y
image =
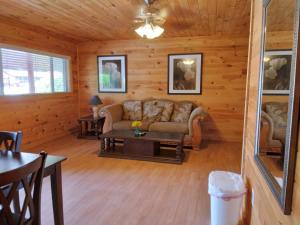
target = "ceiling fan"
x: 150, y: 19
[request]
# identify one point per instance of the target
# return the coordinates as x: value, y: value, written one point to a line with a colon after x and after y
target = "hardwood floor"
x: 104, y: 191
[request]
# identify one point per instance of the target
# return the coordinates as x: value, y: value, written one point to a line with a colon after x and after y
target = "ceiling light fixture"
x: 149, y: 30
x: 151, y: 20
x: 188, y: 61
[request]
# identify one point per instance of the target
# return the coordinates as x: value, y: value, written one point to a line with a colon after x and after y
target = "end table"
x: 90, y: 128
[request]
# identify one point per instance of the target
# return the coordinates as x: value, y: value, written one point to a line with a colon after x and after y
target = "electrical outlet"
x: 252, y: 197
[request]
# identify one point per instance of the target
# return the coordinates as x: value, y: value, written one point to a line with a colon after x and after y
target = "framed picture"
x: 112, y: 73
x: 277, y: 71
x: 185, y: 73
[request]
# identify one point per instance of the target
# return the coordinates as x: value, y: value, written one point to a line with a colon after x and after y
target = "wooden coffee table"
x: 153, y: 146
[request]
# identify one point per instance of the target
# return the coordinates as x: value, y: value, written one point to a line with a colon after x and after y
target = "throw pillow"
x: 168, y: 107
x: 182, y: 112
x: 132, y: 110
x: 151, y: 111
x: 278, y: 112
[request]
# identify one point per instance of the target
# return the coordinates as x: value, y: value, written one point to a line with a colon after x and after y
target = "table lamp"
x: 95, y: 102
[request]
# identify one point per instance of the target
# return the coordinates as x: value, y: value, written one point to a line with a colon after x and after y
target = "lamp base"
x: 95, y: 112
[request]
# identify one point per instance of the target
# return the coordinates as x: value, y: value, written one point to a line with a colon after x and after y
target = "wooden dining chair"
x: 31, y: 178
x: 11, y: 140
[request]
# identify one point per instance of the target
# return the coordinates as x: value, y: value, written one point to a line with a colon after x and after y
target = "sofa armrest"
x: 112, y: 114
x: 194, y: 124
x: 267, y: 126
x: 196, y: 117
x: 266, y: 141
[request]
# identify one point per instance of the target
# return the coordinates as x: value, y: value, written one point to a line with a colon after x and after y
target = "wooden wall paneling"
x: 286, y: 9
x: 44, y: 117
x: 223, y: 78
x: 266, y: 210
x: 285, y: 42
x: 14, y: 34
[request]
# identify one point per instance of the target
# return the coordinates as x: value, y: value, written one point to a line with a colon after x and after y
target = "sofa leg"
x: 196, y: 142
x: 197, y: 147
x: 197, y: 133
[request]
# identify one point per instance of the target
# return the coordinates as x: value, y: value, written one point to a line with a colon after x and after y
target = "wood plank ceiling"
x: 81, y: 21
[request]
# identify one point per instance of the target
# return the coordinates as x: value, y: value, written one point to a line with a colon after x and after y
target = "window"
x: 23, y: 72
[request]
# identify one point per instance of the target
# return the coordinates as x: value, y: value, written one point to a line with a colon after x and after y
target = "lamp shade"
x: 95, y: 100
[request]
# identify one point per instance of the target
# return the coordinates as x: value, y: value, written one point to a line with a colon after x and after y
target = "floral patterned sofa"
x: 273, y: 126
x: 157, y: 115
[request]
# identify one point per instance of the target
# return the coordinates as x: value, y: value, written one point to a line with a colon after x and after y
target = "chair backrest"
x: 30, y: 177
x: 11, y: 140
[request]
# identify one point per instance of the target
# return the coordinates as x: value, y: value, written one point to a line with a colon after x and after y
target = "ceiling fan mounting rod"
x: 149, y: 2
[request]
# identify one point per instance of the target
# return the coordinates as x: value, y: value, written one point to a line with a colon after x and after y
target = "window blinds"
x: 31, y: 73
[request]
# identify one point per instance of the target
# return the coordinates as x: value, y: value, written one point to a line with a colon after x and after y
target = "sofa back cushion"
x: 182, y: 112
x: 132, y: 110
x: 278, y: 112
x: 151, y: 111
x: 158, y: 110
x: 168, y: 107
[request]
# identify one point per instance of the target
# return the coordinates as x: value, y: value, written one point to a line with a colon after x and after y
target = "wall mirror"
x: 278, y: 99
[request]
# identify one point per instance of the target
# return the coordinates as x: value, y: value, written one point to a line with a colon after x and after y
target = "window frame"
x: 68, y: 68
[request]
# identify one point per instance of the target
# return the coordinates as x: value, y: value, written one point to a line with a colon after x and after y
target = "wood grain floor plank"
x: 104, y: 191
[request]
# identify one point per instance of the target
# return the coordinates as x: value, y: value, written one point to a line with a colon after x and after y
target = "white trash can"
x: 226, y: 191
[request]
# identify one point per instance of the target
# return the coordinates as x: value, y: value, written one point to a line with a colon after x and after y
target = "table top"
x: 90, y: 118
x: 149, y: 136
x: 13, y: 160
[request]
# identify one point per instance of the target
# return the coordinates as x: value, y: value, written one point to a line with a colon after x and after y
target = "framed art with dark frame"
x: 185, y: 73
x: 112, y: 74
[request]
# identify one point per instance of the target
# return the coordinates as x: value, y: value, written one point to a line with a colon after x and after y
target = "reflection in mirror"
x: 273, y: 134
x: 276, y: 95
x: 279, y: 31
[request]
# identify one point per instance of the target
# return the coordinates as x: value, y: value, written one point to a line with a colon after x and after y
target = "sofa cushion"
x: 182, y: 112
x: 151, y: 111
x: 132, y: 110
x: 278, y: 112
x: 168, y: 107
x: 126, y: 125
x: 169, y: 127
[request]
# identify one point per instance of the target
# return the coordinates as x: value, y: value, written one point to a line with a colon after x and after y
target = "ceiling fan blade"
x: 159, y: 21
x: 138, y: 20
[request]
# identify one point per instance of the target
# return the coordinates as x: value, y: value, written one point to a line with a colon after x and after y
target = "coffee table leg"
x: 112, y: 144
x: 179, y: 152
x: 108, y: 148
x: 102, y: 146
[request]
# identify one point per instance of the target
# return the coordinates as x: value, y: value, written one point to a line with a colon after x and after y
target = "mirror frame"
x: 283, y: 195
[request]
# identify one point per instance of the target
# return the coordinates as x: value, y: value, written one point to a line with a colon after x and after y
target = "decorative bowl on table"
x: 137, y: 128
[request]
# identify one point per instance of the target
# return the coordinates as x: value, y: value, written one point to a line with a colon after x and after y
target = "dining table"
x: 10, y: 161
